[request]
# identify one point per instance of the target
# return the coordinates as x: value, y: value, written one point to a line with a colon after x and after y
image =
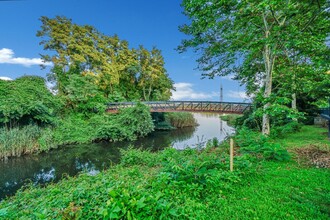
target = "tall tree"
x: 235, y: 35
x: 152, y: 75
x: 119, y: 72
x: 80, y: 46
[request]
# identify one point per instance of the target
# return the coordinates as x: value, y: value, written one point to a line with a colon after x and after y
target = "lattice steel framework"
x: 189, y: 106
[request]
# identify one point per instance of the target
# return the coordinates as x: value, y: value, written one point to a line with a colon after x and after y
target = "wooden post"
x: 231, y: 154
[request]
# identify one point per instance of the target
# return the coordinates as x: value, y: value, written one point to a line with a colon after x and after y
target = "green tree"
x: 153, y: 80
x: 120, y: 73
x: 80, y: 46
x: 248, y: 37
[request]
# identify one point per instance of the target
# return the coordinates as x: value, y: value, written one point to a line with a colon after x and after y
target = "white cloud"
x: 238, y: 95
x: 5, y: 78
x: 185, y: 91
x: 7, y: 56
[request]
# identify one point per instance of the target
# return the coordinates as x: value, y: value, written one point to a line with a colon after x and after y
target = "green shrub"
x: 255, y: 143
x: 129, y: 124
x: 131, y: 157
x: 281, y: 131
x: 74, y: 128
x: 27, y: 100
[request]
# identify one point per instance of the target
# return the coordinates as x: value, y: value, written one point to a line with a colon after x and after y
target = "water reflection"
x: 92, y: 158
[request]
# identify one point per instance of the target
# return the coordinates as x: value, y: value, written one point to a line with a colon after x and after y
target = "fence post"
x: 231, y: 154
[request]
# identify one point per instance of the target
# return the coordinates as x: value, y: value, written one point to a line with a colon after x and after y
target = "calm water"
x: 92, y: 158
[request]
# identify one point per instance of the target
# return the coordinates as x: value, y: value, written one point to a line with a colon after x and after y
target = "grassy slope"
x: 277, y: 190
x: 308, y: 135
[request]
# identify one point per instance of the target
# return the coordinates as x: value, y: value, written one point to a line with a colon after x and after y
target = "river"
x: 92, y: 158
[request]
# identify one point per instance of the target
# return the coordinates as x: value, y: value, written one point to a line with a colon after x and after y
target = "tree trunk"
x: 269, y: 64
x: 269, y: 60
x: 294, y: 95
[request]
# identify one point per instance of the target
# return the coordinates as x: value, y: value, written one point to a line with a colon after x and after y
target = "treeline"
x: 89, y: 64
x: 89, y: 70
x: 32, y: 119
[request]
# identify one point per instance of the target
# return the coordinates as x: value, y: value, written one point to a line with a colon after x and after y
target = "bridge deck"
x: 188, y: 106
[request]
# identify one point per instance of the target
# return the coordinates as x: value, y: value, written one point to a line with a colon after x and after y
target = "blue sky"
x: 144, y: 22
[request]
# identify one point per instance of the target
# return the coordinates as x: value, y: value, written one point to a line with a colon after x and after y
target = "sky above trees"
x: 145, y: 22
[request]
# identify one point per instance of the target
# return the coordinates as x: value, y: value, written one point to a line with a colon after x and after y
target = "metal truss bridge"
x: 186, y: 106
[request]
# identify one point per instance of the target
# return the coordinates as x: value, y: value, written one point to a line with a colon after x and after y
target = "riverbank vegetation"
x: 84, y: 77
x: 180, y: 119
x: 189, y: 184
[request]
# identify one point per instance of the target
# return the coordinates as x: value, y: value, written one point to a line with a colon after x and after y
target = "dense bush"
x: 27, y: 100
x: 129, y: 124
x: 251, y: 142
x: 281, y: 131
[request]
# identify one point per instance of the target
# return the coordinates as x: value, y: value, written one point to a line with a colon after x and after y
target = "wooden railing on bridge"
x: 188, y: 106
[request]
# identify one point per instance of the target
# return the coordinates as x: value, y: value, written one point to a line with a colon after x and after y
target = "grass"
x: 308, y: 135
x: 186, y: 185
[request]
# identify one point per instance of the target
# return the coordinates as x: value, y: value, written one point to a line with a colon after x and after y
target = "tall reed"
x: 181, y: 119
x: 23, y: 140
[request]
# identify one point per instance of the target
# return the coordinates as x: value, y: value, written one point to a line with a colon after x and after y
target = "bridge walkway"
x: 188, y: 106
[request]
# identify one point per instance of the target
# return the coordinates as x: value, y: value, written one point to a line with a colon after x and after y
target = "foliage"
x: 118, y: 72
x: 281, y: 131
x: 131, y: 157
x: 27, y: 100
x: 186, y: 184
x: 268, y: 45
x: 257, y: 144
x: 80, y: 93
x: 130, y: 124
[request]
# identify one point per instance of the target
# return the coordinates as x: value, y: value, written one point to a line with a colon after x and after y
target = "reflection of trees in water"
x: 159, y: 140
x: 225, y: 129
x: 208, y: 114
x: 69, y: 160
x: 53, y: 165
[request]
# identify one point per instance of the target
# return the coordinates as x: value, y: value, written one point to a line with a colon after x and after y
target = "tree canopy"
x: 120, y: 73
x: 261, y: 42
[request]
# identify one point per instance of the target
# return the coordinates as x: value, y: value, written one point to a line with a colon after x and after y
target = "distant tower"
x: 221, y: 100
x: 221, y: 93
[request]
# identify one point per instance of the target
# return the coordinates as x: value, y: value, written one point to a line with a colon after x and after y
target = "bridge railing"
x: 203, y: 106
